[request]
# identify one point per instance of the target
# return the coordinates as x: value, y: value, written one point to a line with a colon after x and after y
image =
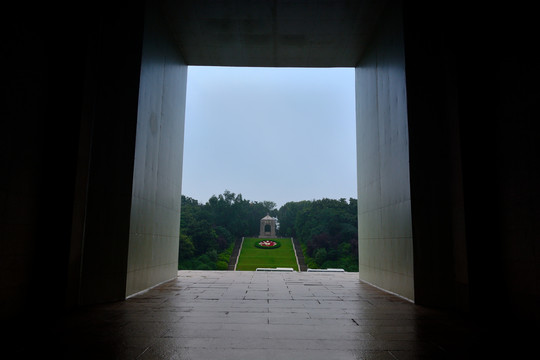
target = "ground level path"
x: 242, y: 315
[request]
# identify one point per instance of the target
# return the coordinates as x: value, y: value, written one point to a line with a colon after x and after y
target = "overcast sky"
x: 278, y: 134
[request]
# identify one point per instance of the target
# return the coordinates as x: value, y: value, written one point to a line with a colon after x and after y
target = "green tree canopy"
x: 327, y: 228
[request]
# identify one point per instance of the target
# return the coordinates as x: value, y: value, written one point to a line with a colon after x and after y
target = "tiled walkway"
x: 260, y: 315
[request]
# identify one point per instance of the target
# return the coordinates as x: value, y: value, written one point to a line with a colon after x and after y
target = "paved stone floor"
x: 260, y: 315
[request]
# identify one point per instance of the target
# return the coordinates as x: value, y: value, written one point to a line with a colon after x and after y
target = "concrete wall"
x: 67, y: 156
x: 23, y: 153
x: 157, y: 175
x: 441, y: 266
x: 101, y: 219
x: 497, y: 106
x: 384, y: 203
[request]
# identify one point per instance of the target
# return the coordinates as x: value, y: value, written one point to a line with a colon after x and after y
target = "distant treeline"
x: 326, y: 228
x: 208, y: 231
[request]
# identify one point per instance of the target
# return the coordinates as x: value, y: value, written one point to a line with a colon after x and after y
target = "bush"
x: 212, y: 255
x: 204, y: 267
x: 205, y: 259
x: 320, y: 256
x: 222, y: 265
x: 224, y: 256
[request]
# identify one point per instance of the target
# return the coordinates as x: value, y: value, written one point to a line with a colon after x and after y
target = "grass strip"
x: 252, y: 257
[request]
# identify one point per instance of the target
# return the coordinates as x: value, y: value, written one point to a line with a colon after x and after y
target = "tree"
x: 327, y: 228
x: 287, y: 217
x: 269, y: 206
x: 186, y: 250
x: 320, y: 256
x: 224, y: 237
x: 204, y: 237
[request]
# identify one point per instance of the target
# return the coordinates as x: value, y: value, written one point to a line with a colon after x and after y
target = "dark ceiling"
x: 272, y: 33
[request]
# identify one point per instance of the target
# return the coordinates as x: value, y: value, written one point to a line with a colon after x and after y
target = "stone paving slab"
x: 252, y: 315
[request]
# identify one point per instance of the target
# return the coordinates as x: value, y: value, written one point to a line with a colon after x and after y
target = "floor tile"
x: 248, y: 315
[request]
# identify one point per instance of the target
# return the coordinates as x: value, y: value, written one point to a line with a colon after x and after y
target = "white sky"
x: 278, y: 134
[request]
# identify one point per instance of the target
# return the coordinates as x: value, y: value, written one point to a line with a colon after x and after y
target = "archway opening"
x: 275, y: 135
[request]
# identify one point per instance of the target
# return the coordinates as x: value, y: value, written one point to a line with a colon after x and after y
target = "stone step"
x: 234, y: 255
x: 299, y: 255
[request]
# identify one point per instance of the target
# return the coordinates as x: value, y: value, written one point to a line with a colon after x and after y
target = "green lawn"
x: 252, y: 257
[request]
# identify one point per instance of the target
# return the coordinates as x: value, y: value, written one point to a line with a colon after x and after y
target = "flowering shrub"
x: 268, y: 244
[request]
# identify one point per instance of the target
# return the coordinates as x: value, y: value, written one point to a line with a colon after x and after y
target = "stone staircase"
x: 234, y: 254
x: 299, y: 255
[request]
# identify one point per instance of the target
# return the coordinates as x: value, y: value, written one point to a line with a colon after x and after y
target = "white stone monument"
x: 268, y: 227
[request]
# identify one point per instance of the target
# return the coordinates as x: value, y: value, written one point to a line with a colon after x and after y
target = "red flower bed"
x: 268, y: 244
